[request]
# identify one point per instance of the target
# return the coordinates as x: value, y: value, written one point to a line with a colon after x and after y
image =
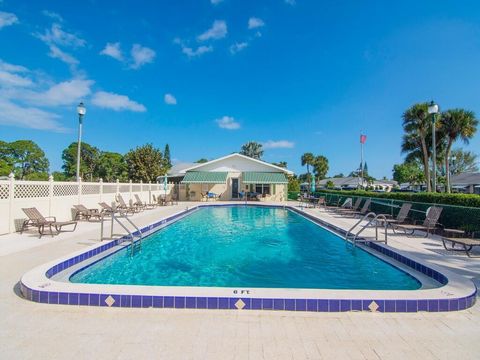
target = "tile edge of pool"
x: 457, y: 293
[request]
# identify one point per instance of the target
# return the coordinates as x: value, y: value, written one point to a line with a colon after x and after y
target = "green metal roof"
x: 252, y: 177
x: 205, y: 177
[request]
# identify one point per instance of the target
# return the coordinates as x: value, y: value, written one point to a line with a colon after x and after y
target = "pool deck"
x: 39, y: 331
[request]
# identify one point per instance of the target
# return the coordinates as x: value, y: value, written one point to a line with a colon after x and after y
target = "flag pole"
x: 361, y: 159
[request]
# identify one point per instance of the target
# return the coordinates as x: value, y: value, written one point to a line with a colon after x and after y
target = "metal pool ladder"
x: 135, y: 245
x: 372, y: 218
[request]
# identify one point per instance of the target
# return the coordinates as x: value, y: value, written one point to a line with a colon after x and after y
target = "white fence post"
x: 11, y: 194
x: 149, y: 191
x: 79, y: 190
x: 50, y: 194
x: 130, y: 181
x: 100, y: 191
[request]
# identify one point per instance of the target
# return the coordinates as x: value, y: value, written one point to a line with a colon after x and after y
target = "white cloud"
x: 197, y: 52
x: 7, y: 19
x: 11, y: 67
x: 116, y: 102
x: 238, y: 47
x: 228, y: 122
x: 280, y: 144
x: 57, y: 53
x: 113, y: 50
x: 215, y: 2
x: 8, y: 79
x: 141, y: 55
x: 170, y: 99
x: 52, y: 15
x: 290, y: 2
x: 12, y: 114
x: 217, y: 31
x: 254, y: 22
x: 56, y: 35
x: 64, y: 93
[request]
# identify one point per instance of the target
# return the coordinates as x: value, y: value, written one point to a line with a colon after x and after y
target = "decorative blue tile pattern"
x: 323, y: 305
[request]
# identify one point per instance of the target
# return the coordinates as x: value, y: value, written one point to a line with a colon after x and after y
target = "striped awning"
x: 252, y: 177
x: 205, y: 177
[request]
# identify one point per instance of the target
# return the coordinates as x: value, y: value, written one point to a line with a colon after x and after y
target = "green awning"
x: 251, y: 177
x: 205, y: 177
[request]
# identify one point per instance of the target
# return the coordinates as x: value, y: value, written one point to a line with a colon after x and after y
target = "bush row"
x: 469, y: 200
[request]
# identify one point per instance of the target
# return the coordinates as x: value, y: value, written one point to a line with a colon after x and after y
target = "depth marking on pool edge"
x: 242, y: 292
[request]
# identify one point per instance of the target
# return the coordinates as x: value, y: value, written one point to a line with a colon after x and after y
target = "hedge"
x: 460, y: 211
x: 469, y: 200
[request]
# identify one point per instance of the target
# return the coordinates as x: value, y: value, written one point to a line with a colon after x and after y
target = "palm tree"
x: 308, y: 159
x: 416, y: 125
x: 252, y: 149
x: 457, y: 124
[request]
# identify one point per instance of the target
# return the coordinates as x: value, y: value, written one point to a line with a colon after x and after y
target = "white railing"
x: 56, y: 198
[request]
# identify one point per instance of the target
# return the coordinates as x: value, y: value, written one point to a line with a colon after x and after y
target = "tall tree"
x: 201, y: 161
x: 252, y: 149
x: 89, y: 156
x: 145, y: 163
x: 457, y: 124
x: 320, y: 167
x: 417, y: 126
x: 166, y: 155
x: 465, y: 161
x: 408, y: 172
x: 25, y: 158
x: 112, y: 166
x: 308, y: 160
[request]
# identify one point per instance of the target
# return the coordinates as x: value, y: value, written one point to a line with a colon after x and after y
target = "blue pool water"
x: 238, y: 246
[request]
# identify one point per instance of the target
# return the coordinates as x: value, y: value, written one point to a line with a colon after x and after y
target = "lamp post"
x: 433, y: 109
x: 449, y: 174
x: 81, y: 110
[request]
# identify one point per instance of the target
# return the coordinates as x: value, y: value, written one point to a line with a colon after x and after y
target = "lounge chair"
x: 362, y: 211
x: 466, y: 243
x: 139, y: 202
x: 127, y: 208
x: 36, y: 219
x: 347, y: 204
x: 401, y: 218
x: 88, y: 214
x: 353, y: 208
x: 429, y: 224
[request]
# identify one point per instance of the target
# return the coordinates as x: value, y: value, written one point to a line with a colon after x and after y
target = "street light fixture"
x: 433, y: 109
x: 81, y: 111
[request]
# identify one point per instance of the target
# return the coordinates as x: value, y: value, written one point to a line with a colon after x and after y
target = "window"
x: 263, y: 189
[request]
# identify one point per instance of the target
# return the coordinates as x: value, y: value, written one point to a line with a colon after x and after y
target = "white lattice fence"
x: 54, y: 198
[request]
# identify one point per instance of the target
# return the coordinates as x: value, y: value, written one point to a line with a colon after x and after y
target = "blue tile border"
x: 192, y: 302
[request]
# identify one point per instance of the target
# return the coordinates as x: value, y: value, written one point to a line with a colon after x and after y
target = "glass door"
x: 234, y: 188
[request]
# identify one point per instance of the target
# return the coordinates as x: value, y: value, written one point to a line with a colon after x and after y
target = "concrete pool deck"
x: 32, y: 330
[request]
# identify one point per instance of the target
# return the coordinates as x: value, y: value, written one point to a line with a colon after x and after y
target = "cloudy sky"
x: 208, y: 75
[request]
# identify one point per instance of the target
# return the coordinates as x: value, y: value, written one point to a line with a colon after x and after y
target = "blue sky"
x: 206, y: 76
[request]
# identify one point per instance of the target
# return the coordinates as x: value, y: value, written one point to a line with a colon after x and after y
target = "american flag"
x: 363, y: 138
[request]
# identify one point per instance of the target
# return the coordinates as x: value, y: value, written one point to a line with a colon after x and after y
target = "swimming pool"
x: 248, y: 247
x: 197, y: 260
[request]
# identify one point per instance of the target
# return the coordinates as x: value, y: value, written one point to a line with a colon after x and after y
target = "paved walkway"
x: 36, y: 331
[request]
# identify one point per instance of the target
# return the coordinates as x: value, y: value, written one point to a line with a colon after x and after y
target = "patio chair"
x: 429, y: 224
x: 140, y: 203
x: 350, y: 209
x: 127, y: 208
x: 362, y: 211
x: 88, y: 214
x: 347, y: 204
x: 466, y: 243
x: 36, y: 219
x: 401, y: 218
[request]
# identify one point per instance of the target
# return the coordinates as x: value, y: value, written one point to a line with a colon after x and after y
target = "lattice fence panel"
x: 90, y: 189
x: 136, y: 188
x: 124, y: 188
x: 25, y: 191
x: 109, y: 189
x: 4, y: 191
x: 65, y: 190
